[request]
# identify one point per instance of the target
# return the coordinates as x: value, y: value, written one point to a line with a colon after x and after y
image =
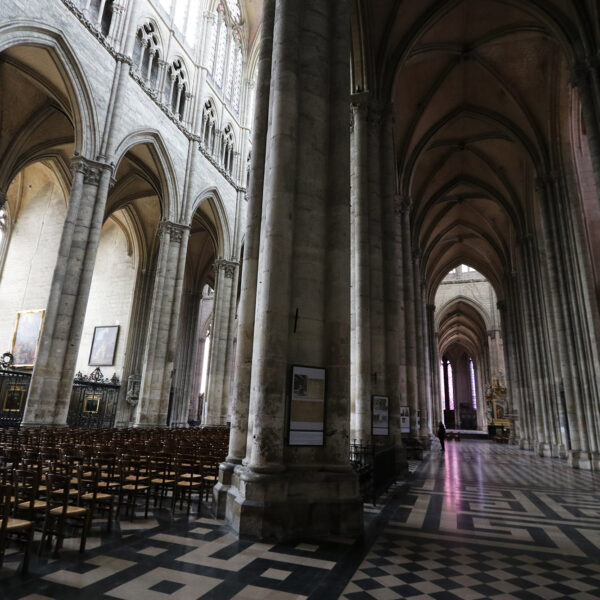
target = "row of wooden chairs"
x: 53, y: 479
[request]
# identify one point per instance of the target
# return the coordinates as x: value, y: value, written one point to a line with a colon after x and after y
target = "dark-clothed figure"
x: 441, y: 433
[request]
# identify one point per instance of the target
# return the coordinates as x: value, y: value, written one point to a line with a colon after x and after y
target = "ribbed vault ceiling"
x: 477, y: 88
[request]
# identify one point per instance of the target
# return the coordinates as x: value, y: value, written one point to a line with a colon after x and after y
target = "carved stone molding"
x: 228, y: 267
x: 581, y: 70
x: 402, y: 204
x: 547, y: 179
x: 92, y: 170
x: 91, y: 27
x: 175, y: 230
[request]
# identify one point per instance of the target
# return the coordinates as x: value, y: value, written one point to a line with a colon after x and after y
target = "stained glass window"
x: 237, y: 80
x: 210, y: 62
x: 450, y: 387
x: 234, y: 10
x: 220, y: 58
x: 442, y: 386
x: 230, y: 72
x: 473, y: 390
x: 3, y: 228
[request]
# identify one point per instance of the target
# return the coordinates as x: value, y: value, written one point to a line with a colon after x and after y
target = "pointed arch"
x: 213, y: 197
x: 82, y: 111
x: 168, y: 192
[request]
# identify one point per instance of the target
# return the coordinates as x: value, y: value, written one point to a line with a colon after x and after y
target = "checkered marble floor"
x: 485, y: 521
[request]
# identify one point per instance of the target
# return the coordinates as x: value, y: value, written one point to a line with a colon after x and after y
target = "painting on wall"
x: 91, y: 403
x: 104, y: 346
x: 307, y: 407
x: 14, y: 398
x: 26, y: 337
x: 380, y: 415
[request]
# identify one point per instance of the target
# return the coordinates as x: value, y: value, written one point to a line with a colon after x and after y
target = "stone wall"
x: 37, y: 207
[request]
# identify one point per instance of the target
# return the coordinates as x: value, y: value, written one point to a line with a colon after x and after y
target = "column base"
x: 524, y: 444
x: 222, y: 488
x: 559, y: 451
x: 581, y: 460
x: 294, y: 504
x: 544, y: 449
x: 425, y: 442
x: 34, y: 424
x: 401, y: 462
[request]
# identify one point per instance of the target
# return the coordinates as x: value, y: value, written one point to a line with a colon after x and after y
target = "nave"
x: 483, y: 521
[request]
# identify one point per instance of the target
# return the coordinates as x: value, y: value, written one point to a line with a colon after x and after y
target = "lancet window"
x: 176, y: 88
x: 146, y: 54
x: 208, y: 131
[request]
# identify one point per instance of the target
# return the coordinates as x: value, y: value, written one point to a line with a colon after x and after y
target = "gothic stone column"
x: 186, y: 355
x: 50, y: 390
x: 303, y: 284
x: 161, y: 340
x: 217, y: 396
x: 360, y: 306
x: 241, y: 421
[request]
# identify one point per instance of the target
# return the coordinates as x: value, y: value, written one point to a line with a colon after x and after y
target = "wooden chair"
x: 96, y: 498
x: 135, y: 483
x: 60, y: 513
x: 189, y: 481
x: 162, y: 477
x: 20, y: 530
x: 28, y: 504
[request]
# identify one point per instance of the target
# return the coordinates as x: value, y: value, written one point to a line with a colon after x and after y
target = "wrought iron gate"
x: 14, y: 386
x: 93, y: 401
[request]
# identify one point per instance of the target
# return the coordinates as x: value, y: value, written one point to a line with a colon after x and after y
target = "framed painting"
x: 380, y: 415
x: 91, y: 403
x: 14, y: 398
x: 104, y: 346
x: 26, y: 337
x: 307, y: 407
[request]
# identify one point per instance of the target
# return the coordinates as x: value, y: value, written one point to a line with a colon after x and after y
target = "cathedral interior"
x: 300, y: 299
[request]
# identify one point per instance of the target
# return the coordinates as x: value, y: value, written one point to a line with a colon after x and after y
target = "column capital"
x: 525, y: 240
x: 546, y: 179
x: 402, y: 204
x: 92, y: 170
x: 581, y: 70
x: 209, y: 16
x: 175, y: 230
x: 228, y: 267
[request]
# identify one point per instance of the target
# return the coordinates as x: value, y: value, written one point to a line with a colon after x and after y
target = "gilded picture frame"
x: 14, y: 397
x: 26, y: 337
x: 91, y: 403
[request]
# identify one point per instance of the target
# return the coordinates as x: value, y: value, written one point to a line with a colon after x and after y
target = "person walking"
x: 441, y: 434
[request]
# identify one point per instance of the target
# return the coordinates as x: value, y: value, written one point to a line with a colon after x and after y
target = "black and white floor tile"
x: 488, y: 521
x: 485, y: 521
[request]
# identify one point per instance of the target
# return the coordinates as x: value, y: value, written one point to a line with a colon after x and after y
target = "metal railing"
x: 93, y: 401
x: 14, y: 386
x: 375, y: 465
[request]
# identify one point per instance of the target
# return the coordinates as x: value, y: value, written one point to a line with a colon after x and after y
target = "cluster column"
x: 219, y: 363
x: 50, y: 389
x: 302, y: 298
x: 161, y: 342
x: 241, y: 421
